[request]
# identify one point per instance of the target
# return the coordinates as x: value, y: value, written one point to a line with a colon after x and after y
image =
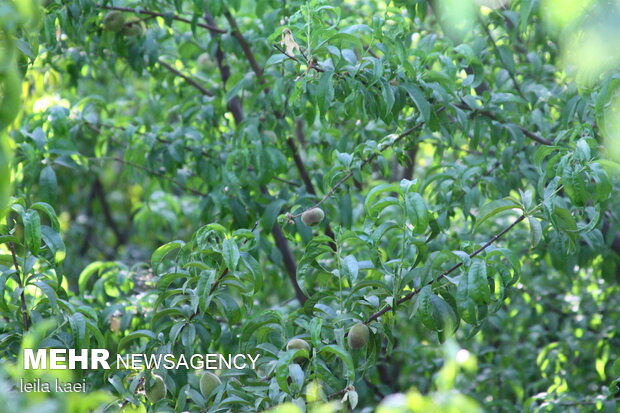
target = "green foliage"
x: 347, y: 189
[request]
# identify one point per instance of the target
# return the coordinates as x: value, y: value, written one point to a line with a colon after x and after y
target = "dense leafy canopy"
x: 270, y: 177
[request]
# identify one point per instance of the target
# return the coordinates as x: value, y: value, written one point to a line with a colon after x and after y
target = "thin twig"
x: 310, y: 65
x: 164, y: 16
x: 188, y: 79
x: 456, y: 266
x: 531, y: 135
x: 286, y: 181
x: 281, y: 50
x: 152, y: 172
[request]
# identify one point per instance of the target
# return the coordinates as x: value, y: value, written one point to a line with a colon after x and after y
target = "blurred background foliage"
x: 465, y: 154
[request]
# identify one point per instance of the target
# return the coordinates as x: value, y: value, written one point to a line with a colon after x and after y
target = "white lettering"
x: 57, y: 359
x: 99, y: 356
x: 253, y: 360
x: 32, y: 362
x: 82, y: 359
x: 199, y: 365
x: 136, y: 361
x: 241, y: 366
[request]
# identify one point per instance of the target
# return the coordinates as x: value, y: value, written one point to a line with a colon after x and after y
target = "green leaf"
x: 49, y: 292
x: 78, y: 327
x: 168, y: 312
x: 444, y: 314
x: 615, y: 368
x: 505, y: 55
x: 425, y: 307
x: 346, y: 358
x: 369, y: 203
x: 48, y: 184
x: 477, y: 282
x: 54, y: 243
x: 5, y: 239
x: 466, y: 306
x: 49, y: 211
x: 535, y: 231
x: 564, y: 220
x: 493, y: 208
x: 4, y: 277
x: 231, y: 253
x: 315, y: 331
x: 267, y: 318
x: 271, y: 214
x: 275, y: 59
x: 420, y: 101
x: 94, y: 331
x: 436, y: 314
x: 325, y: 92
x: 161, y: 252
x: 282, y: 366
x: 417, y: 212
x: 388, y: 96
x: 524, y: 13
x: 134, y: 336
x: 90, y: 270
x: 230, y: 308
x: 350, y: 268
x: 32, y: 230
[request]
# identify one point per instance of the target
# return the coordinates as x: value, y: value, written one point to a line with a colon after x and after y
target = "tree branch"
x: 188, y: 79
x: 244, y: 45
x: 311, y: 65
x: 152, y: 172
x: 301, y: 167
x: 234, y: 105
x: 456, y: 266
x: 89, y: 207
x: 289, y: 262
x: 280, y: 241
x: 167, y: 16
x: 494, y: 117
x: 107, y: 212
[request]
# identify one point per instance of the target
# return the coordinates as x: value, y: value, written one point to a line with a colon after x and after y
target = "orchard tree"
x: 407, y: 206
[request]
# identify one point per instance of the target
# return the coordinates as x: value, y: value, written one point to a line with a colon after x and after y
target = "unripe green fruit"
x: 114, y: 21
x: 298, y: 344
x: 208, y: 382
x: 156, y: 390
x: 312, y: 216
x: 358, y: 336
x: 204, y: 61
